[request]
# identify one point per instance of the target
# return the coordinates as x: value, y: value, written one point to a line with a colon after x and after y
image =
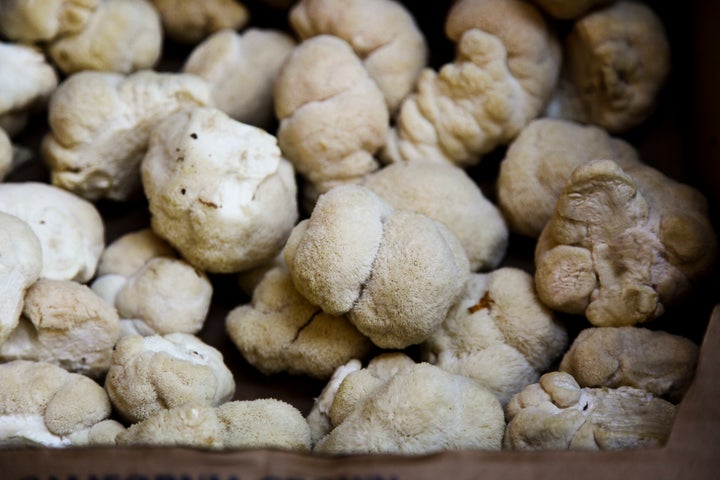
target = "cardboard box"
x: 682, y: 139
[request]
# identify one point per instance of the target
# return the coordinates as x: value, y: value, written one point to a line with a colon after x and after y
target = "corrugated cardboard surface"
x: 682, y: 139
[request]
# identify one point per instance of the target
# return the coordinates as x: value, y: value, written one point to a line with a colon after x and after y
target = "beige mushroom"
x: 20, y: 267
x: 241, y: 69
x: 66, y: 324
x: 189, y: 21
x: 70, y: 229
x: 100, y: 124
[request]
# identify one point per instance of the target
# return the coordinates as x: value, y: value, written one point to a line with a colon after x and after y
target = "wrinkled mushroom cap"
x: 149, y: 374
x: 44, y: 21
x: 381, y: 32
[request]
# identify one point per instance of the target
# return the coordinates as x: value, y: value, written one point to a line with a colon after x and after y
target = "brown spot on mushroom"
x: 484, y: 302
x: 208, y: 203
x: 194, y: 136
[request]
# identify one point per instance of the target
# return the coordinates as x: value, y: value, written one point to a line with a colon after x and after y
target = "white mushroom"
x: 20, y: 266
x: 100, y: 124
x: 218, y: 190
x: 241, y: 69
x: 70, y: 229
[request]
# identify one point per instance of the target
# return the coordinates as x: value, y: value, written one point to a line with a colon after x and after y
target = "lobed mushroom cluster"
x: 330, y: 170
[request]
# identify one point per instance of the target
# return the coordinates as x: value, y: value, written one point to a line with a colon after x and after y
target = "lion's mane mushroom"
x: 499, y: 334
x: 35, y: 22
x: 556, y: 413
x: 150, y: 374
x: 120, y: 36
x: 190, y: 21
x: 100, y: 124
x: 623, y: 244
x: 153, y: 291
x: 656, y: 361
x: 396, y: 273
x: 505, y: 70
x: 261, y: 423
x: 569, y: 9
x: 66, y: 324
x: 70, y: 229
x: 20, y: 267
x: 616, y: 61
x: 381, y: 32
x: 219, y: 190
x: 26, y: 82
x: 539, y: 162
x: 241, y: 69
x: 420, y: 409
x: 280, y: 331
x: 444, y: 192
x: 44, y: 405
x: 333, y: 116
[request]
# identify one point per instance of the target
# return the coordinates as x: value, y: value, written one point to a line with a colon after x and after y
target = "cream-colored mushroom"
x: 120, y: 36
x: 26, y: 82
x: 30, y: 22
x: 333, y: 117
x: 446, y: 193
x: 396, y: 273
x: 190, y: 21
x: 241, y: 69
x: 623, y: 244
x: 218, y: 190
x: 100, y: 125
x: 20, y: 267
x: 557, y: 414
x: 66, y: 324
x: 70, y: 229
x: 382, y: 33
x: 539, y: 162
x: 505, y: 70
x: 150, y: 374
x: 617, y: 59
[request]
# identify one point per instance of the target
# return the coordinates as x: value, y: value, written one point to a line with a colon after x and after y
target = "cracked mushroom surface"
x: 539, y: 162
x: 499, y: 334
x: 381, y: 32
x: 617, y: 59
x: 621, y: 245
x: 66, y: 324
x: 333, y: 117
x: 506, y: 66
x: 219, y: 190
x: 280, y: 331
x: 70, y: 229
x: 159, y: 372
x: 446, y: 193
x: 100, y: 124
x: 556, y: 414
x: 395, y: 273
x: 656, y: 361
x: 20, y: 267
